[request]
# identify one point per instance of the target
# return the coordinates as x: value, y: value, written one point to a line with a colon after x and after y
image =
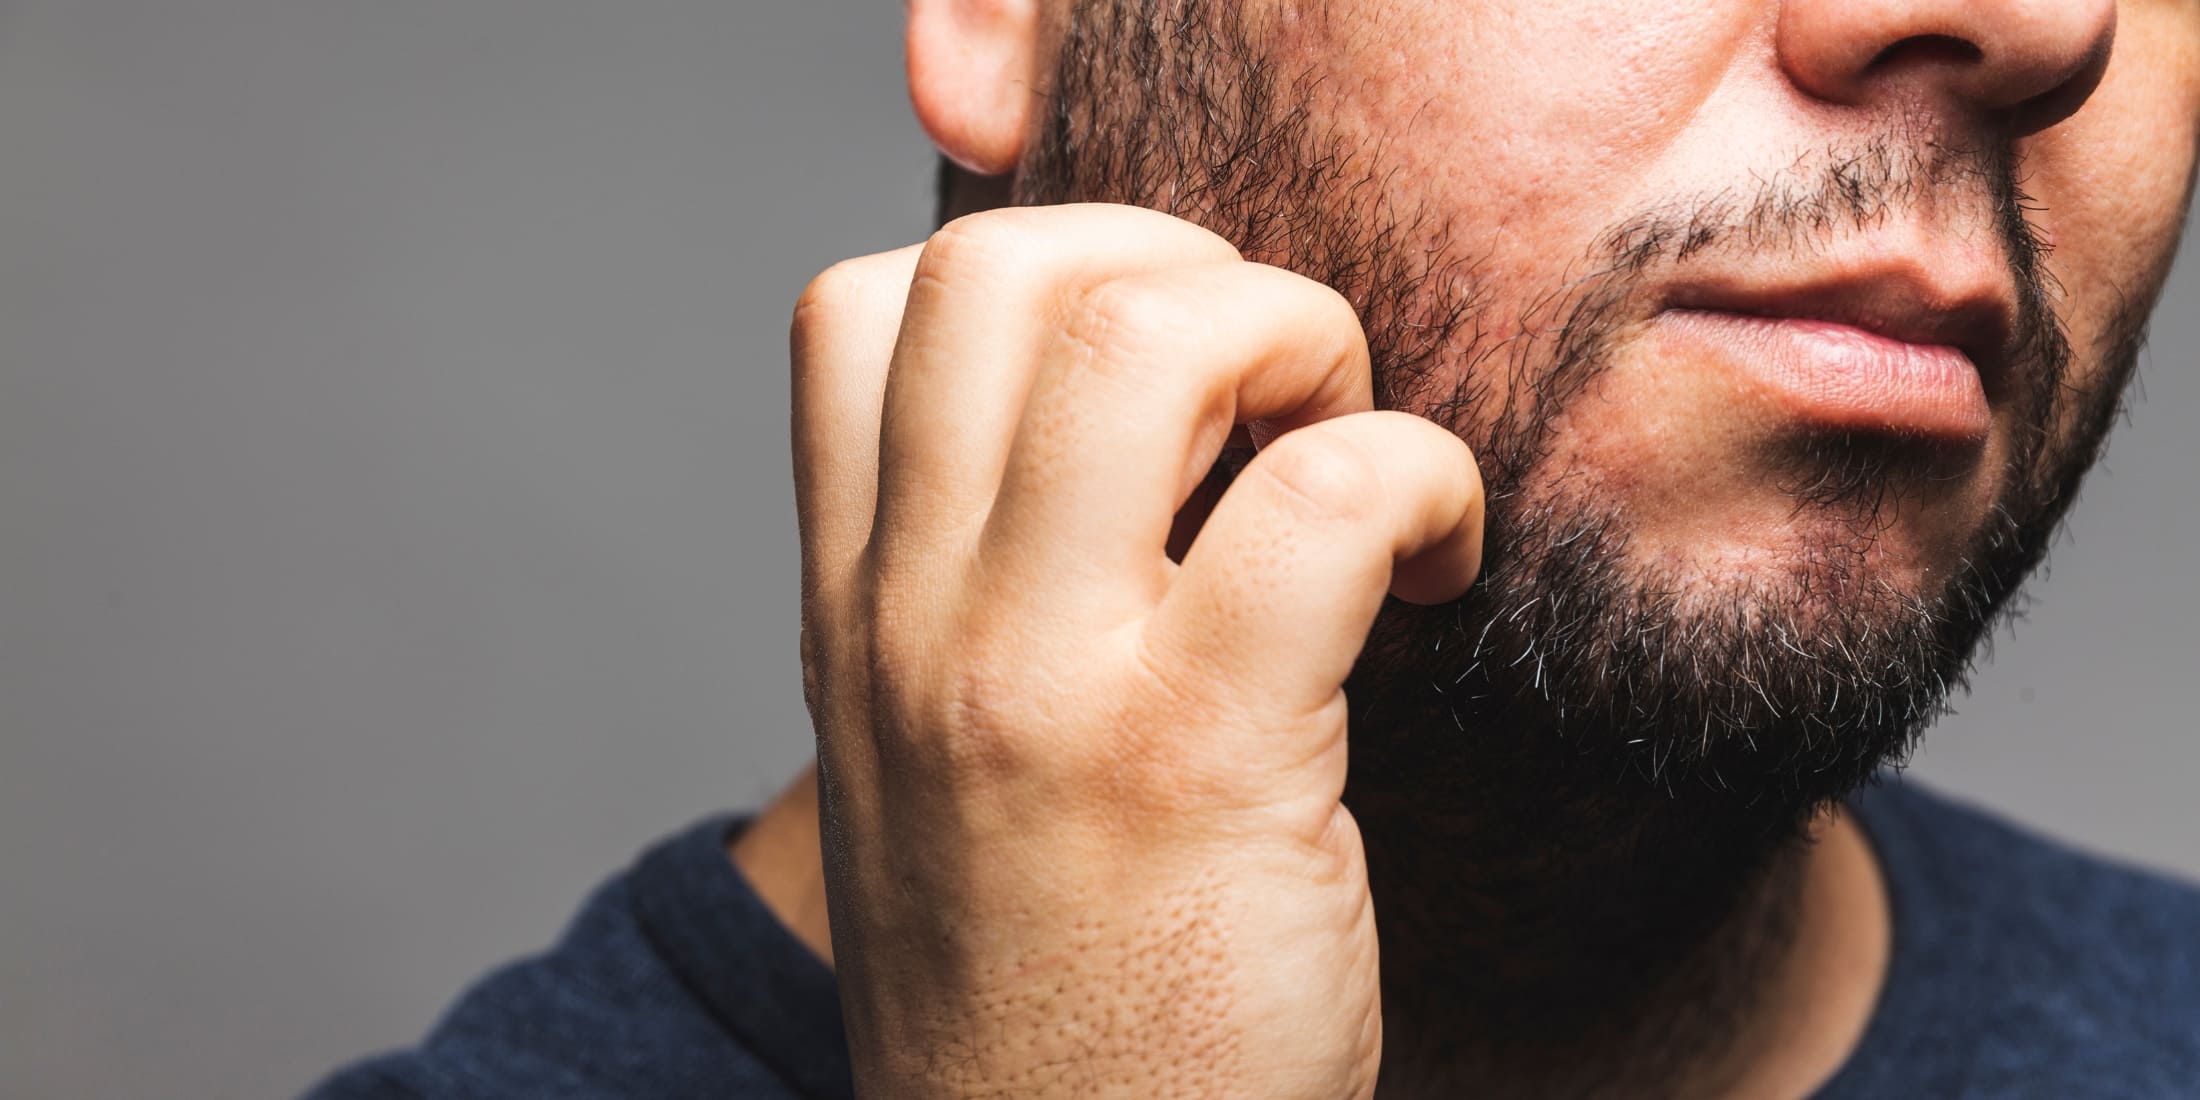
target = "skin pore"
x: 1598, y: 867
x: 1817, y: 1002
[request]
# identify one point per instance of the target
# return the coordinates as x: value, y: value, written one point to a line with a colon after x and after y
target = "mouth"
x: 1888, y: 349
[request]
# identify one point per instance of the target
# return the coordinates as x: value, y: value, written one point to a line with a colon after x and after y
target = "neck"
x: 1548, y: 934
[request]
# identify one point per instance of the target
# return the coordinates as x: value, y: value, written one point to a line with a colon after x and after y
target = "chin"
x: 1820, y: 553
x: 1821, y: 525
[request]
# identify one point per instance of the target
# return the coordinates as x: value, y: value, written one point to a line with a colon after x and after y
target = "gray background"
x: 397, y: 531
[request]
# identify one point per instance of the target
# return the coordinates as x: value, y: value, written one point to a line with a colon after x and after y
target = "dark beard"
x: 1584, y: 787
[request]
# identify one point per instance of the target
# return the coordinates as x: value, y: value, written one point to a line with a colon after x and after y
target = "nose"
x: 2031, y: 61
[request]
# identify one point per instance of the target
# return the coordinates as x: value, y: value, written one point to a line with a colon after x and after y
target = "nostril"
x: 2063, y: 100
x: 2025, y: 63
x: 1927, y: 49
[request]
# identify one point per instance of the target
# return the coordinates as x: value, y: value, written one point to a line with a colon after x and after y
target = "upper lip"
x: 1895, y: 298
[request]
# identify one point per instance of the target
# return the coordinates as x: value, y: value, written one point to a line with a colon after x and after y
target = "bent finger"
x: 840, y: 344
x: 1136, y: 396
x: 1275, y: 598
x: 985, y: 291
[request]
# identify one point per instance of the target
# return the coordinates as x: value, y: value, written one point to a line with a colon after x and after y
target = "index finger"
x: 1140, y: 388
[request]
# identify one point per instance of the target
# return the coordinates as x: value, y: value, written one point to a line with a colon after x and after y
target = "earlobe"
x: 972, y: 67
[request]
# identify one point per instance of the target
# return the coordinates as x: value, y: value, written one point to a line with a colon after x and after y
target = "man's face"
x: 1782, y: 331
x: 1537, y: 128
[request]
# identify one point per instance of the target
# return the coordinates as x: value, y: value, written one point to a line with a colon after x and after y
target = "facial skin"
x: 1706, y: 611
x: 1711, y: 603
x: 1525, y: 239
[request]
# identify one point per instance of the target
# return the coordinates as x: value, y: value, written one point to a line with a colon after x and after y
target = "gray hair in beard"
x: 1796, y: 690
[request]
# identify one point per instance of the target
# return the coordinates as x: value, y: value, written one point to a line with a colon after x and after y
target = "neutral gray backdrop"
x: 395, y: 530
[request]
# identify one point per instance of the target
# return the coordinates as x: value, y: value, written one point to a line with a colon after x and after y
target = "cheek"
x: 2112, y: 182
x: 1524, y: 124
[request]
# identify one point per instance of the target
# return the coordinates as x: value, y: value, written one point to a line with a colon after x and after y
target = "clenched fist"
x: 1081, y: 805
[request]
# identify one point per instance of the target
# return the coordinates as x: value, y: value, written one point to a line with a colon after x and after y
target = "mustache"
x: 1563, y: 339
x: 1838, y: 188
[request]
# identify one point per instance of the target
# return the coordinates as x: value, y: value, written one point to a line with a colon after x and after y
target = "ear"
x: 972, y: 66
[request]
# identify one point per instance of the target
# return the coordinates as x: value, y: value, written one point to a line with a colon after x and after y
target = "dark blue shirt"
x: 2021, y: 969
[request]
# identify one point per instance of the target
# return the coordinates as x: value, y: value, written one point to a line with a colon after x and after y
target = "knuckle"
x: 1113, y: 324
x: 1322, y: 473
x: 965, y: 720
x: 959, y: 251
x: 989, y: 723
x: 998, y: 711
x: 831, y: 293
x: 1131, y: 305
x: 936, y: 685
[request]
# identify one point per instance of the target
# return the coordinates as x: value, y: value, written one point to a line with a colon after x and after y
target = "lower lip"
x: 1845, y: 378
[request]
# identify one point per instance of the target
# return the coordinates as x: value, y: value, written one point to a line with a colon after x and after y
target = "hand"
x: 1080, y: 802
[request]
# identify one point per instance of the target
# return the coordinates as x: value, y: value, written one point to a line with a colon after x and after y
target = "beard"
x: 1583, y: 785
x: 1797, y: 687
